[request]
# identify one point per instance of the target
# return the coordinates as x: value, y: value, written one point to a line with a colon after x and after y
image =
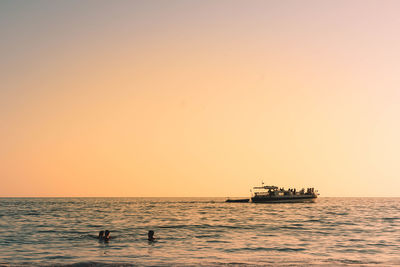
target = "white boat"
x: 270, y: 194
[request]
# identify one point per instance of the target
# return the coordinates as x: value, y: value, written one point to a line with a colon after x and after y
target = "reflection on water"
x: 191, y: 231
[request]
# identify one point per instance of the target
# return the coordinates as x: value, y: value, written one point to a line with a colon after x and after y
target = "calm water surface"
x: 199, y: 231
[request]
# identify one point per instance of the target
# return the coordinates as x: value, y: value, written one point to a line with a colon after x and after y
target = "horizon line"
x: 179, y: 197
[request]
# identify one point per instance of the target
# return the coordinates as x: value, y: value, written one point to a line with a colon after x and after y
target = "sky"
x: 199, y: 98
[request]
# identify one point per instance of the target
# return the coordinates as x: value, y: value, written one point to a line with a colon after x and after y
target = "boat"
x: 242, y: 200
x: 273, y: 194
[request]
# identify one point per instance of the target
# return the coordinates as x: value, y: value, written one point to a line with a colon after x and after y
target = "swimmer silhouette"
x: 101, y: 235
x: 107, y: 235
x: 150, y: 236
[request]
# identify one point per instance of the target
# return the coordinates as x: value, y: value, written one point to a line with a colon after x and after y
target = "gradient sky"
x: 199, y: 98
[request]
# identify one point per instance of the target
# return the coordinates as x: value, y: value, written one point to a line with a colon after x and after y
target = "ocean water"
x: 199, y: 231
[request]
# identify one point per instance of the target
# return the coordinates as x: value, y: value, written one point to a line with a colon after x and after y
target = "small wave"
x: 390, y: 219
x: 353, y: 262
x: 174, y: 226
x: 95, y: 264
x: 292, y: 227
x: 203, y: 226
x: 359, y: 251
x: 345, y: 223
x: 207, y: 236
x: 314, y: 220
x: 356, y: 240
x: 381, y: 245
x: 265, y: 249
x: 46, y: 231
x: 347, y: 261
x: 290, y: 249
x: 217, y: 241
x: 248, y: 249
x: 31, y: 214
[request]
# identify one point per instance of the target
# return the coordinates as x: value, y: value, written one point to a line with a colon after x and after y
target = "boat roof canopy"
x: 266, y: 187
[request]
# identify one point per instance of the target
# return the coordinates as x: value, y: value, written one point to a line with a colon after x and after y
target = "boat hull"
x: 284, y: 199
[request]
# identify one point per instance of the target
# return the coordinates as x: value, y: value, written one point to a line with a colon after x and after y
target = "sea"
x: 199, y: 232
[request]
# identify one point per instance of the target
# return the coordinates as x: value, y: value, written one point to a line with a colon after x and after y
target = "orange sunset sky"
x: 199, y: 98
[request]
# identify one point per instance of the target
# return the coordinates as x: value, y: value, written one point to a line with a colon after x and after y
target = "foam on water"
x: 199, y: 231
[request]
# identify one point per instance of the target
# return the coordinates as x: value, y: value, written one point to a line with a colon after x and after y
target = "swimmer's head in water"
x: 107, y: 234
x: 101, y: 234
x: 150, y: 235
